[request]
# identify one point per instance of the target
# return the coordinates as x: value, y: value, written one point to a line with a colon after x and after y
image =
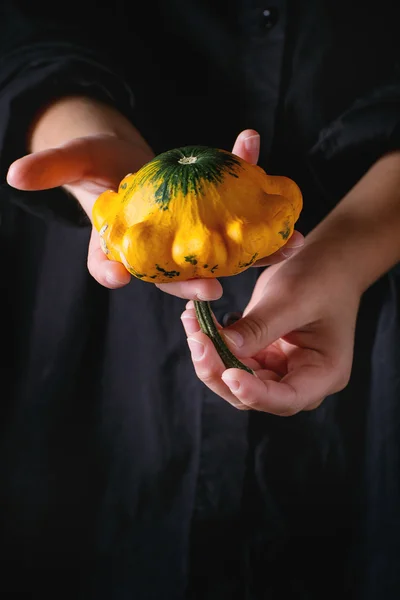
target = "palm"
x: 85, y: 167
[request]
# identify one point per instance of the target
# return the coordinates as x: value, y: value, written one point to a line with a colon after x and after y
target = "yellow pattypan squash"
x: 196, y: 212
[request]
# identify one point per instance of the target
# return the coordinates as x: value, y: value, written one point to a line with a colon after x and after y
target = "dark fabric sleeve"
x: 351, y: 144
x: 42, y: 57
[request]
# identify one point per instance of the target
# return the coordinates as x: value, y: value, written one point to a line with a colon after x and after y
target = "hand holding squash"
x: 297, y: 335
x: 196, y: 212
x: 91, y: 164
x: 85, y: 167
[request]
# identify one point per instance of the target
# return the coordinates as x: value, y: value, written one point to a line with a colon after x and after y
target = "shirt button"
x: 269, y: 17
x: 231, y: 317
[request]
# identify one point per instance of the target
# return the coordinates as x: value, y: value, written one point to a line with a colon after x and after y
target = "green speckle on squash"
x: 124, y: 186
x: 285, y: 232
x: 214, y: 268
x: 127, y: 191
x: 170, y: 274
x: 191, y: 259
x: 248, y: 264
x: 205, y: 266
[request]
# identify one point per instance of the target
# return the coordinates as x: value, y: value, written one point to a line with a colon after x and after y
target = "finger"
x: 271, y: 318
x: 108, y: 273
x: 273, y: 359
x: 190, y: 321
x: 313, y: 406
x: 258, y: 393
x: 314, y: 375
x: 194, y: 289
x: 303, y: 389
x: 86, y: 193
x: 101, y: 158
x: 59, y: 166
x: 247, y: 146
x: 209, y: 366
x: 292, y: 246
x: 190, y: 307
x: 251, y: 391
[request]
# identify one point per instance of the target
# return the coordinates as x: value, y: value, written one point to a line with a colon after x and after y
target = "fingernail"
x: 190, y: 324
x: 252, y: 143
x: 234, y: 338
x: 232, y: 384
x: 288, y: 252
x: 196, y: 348
x: 292, y: 246
x: 295, y: 241
x: 202, y: 298
x: 114, y: 280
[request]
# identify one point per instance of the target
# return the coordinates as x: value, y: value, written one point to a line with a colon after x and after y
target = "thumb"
x: 267, y: 321
x: 102, y: 159
x: 247, y: 146
x: 85, y: 166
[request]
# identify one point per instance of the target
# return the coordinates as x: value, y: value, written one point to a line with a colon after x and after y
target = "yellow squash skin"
x: 196, y: 212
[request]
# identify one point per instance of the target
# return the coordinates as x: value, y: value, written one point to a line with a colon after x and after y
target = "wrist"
x: 73, y: 117
x: 340, y: 249
x: 362, y: 232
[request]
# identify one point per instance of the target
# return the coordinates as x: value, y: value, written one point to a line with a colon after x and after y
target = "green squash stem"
x: 207, y: 325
